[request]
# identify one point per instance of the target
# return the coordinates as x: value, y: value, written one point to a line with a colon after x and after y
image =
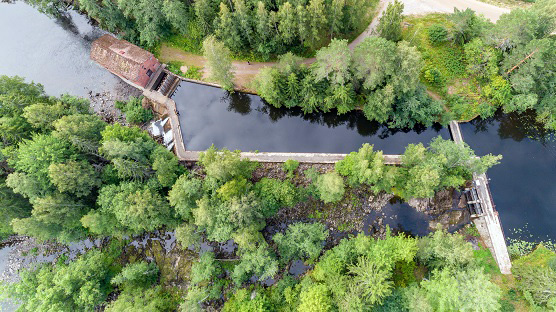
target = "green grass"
x: 444, y: 72
x: 193, y: 72
x: 484, y: 259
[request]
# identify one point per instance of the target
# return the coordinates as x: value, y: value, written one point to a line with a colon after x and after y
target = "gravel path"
x: 489, y: 11
x: 244, y: 72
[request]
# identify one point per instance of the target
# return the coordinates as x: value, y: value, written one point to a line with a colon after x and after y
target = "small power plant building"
x: 126, y: 60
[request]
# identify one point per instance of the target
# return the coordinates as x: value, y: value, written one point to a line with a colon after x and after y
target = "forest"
x: 417, y: 70
x: 439, y: 68
x: 68, y: 175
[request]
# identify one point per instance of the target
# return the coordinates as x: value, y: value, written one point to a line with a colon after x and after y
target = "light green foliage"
x: 42, y: 115
x: 390, y: 26
x: 465, y: 290
x: 222, y: 219
x: 482, y: 60
x: 520, y: 26
x: 166, y: 165
x: 290, y: 166
x: 301, y: 241
x: 315, y: 299
x: 275, y: 194
x: 444, y: 164
x: 536, y: 277
x: 363, y: 167
x: 223, y: 165
x: 242, y: 301
x: 187, y: 235
x: 144, y: 300
x: 219, y: 62
x: 359, y: 271
x: 184, y: 195
x: 36, y: 155
x: 333, y: 63
x: 437, y: 33
x: 233, y: 189
x: 128, y: 208
x: 136, y: 275
x: 371, y: 280
x: 83, y: 131
x: 260, y: 262
x: 78, y: 178
x: 205, y: 270
x: 441, y: 249
x: 80, y: 285
x: 134, y: 111
x: 330, y: 187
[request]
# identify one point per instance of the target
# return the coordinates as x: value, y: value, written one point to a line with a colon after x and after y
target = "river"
x: 55, y: 52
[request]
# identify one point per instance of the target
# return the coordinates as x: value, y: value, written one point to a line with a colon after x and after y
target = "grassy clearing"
x: 193, y: 72
x: 444, y: 72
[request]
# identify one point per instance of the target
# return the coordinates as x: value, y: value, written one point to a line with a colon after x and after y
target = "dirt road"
x: 244, y: 73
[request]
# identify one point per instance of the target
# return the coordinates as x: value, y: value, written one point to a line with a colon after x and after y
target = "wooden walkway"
x: 487, y: 220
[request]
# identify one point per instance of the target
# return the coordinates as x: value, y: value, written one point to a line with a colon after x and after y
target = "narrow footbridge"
x: 485, y: 216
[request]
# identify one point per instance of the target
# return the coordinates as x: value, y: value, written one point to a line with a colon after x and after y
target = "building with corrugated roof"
x: 124, y: 59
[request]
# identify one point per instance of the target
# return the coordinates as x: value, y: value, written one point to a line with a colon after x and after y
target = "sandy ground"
x: 244, y: 72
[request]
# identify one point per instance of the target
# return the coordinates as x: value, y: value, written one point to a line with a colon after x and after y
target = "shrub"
x: 437, y: 33
x: 134, y: 111
x: 434, y: 77
x: 289, y: 166
x: 302, y: 240
x: 330, y: 187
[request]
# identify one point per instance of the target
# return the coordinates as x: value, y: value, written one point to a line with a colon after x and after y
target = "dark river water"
x: 210, y: 115
x: 524, y: 184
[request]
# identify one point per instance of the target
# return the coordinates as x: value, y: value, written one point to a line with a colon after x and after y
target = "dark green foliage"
x: 275, y: 194
x: 437, y: 33
x: 301, y: 241
x: 379, y: 77
x: 467, y: 25
x: 12, y: 206
x: 134, y: 111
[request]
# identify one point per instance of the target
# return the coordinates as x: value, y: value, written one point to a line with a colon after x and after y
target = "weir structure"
x: 485, y: 217
x: 138, y: 68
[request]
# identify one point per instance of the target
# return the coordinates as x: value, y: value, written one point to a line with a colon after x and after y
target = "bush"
x: 330, y: 187
x: 434, y: 77
x: 302, y: 240
x: 134, y: 111
x: 437, y: 33
x: 289, y: 166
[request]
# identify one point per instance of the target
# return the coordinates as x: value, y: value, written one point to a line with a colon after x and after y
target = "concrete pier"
x: 486, y: 218
x: 309, y: 158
